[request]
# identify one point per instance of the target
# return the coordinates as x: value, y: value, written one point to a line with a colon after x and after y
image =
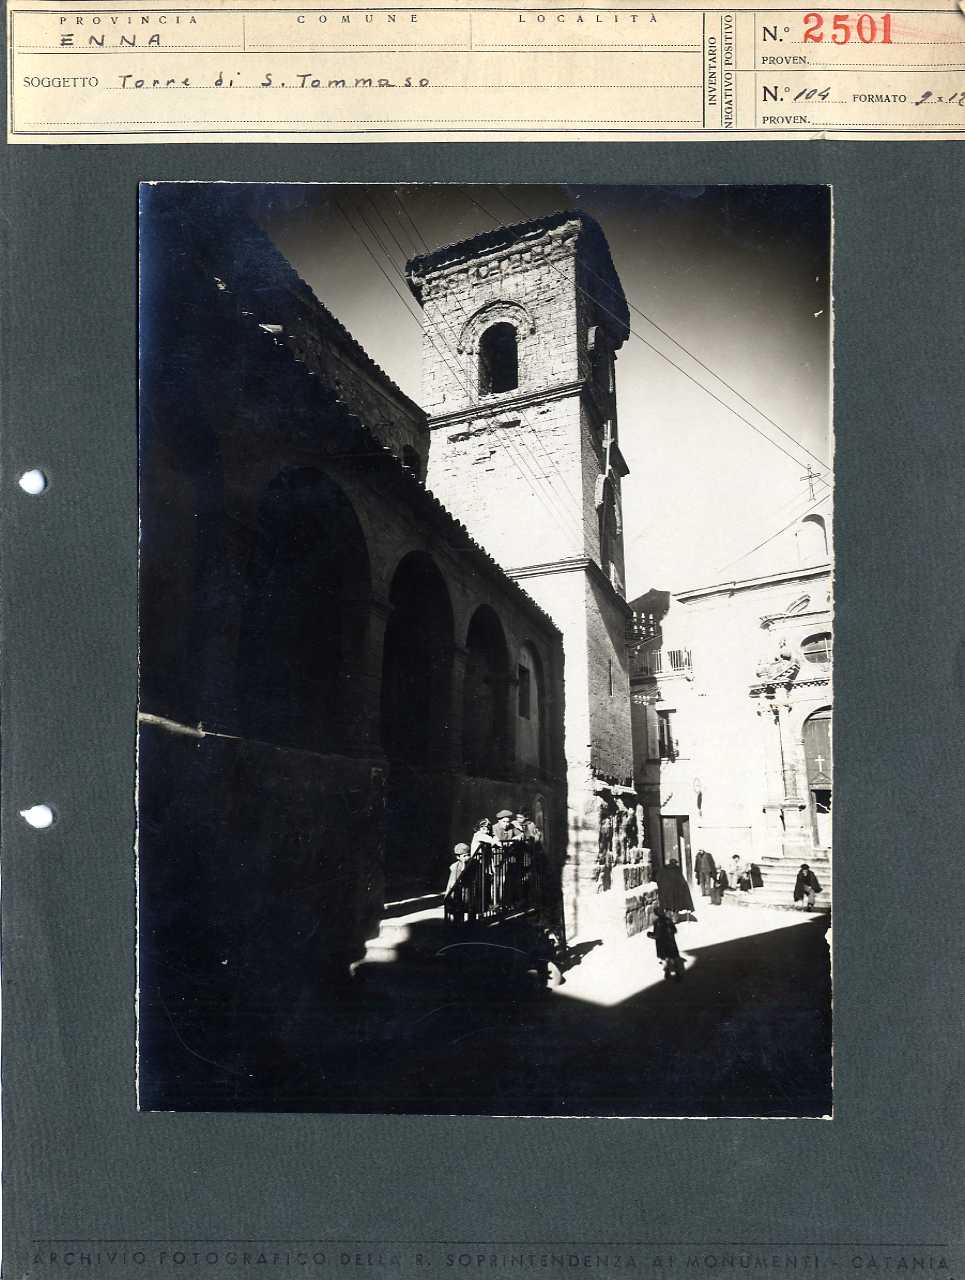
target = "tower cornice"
x: 522, y: 247
x: 508, y: 402
x: 535, y: 251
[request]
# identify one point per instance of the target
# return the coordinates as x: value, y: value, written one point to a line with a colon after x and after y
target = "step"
x: 407, y: 937
x: 779, y: 901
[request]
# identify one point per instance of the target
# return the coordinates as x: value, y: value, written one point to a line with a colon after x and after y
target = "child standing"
x: 664, y: 933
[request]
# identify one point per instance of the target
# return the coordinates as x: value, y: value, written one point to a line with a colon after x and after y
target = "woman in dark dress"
x: 673, y: 890
x: 805, y: 887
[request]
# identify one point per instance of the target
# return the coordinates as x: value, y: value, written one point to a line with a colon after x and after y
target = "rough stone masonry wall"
x: 485, y: 468
x: 382, y: 410
x: 609, y: 713
x: 544, y: 288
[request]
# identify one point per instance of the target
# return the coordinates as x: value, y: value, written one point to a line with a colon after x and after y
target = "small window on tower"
x: 498, y: 360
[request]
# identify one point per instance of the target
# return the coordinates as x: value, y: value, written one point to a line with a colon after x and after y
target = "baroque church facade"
x: 732, y: 699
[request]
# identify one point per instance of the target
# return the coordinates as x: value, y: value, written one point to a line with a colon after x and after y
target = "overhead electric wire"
x: 574, y: 498
x: 551, y: 462
x: 800, y: 516
x: 707, y: 391
x: 559, y: 514
x: 411, y: 221
x: 697, y: 360
x: 817, y: 479
x: 531, y: 476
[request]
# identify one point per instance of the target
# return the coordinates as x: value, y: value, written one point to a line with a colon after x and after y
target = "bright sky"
x: 738, y: 275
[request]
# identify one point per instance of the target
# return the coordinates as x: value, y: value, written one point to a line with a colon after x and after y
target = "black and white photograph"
x: 484, y: 757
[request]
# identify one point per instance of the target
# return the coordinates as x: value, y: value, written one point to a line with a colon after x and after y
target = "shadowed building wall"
x: 309, y: 614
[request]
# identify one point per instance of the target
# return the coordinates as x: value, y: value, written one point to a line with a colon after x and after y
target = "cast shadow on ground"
x: 459, y: 1023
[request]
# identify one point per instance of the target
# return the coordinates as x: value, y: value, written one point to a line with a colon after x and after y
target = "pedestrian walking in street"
x: 705, y: 870
x: 664, y: 933
x: 673, y: 892
x: 547, y: 959
x: 805, y: 887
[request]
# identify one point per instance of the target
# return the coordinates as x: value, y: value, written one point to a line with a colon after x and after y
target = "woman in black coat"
x: 805, y: 887
x: 673, y: 890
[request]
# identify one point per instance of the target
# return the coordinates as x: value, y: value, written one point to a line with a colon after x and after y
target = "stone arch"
x: 498, y: 359
x: 417, y: 663
x: 308, y: 567
x: 812, y: 540
x: 416, y: 726
x: 500, y: 311
x: 484, y: 722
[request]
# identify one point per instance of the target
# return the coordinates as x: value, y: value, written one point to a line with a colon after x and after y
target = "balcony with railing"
x: 661, y: 662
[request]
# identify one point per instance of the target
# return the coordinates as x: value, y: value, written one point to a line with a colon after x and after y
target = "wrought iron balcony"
x: 661, y: 662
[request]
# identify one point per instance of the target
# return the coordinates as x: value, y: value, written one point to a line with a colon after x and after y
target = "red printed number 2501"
x: 847, y: 26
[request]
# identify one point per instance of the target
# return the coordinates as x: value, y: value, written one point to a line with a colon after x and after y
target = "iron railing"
x: 659, y: 662
x: 500, y: 880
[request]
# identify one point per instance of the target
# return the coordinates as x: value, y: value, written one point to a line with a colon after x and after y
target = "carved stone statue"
x: 781, y: 669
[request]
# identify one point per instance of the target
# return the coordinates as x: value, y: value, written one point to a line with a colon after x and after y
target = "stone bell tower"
x: 522, y: 329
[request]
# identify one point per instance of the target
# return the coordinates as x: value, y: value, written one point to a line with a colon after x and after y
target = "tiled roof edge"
x: 421, y: 494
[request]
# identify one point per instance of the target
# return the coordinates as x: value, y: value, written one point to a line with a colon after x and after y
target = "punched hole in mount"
x: 33, y: 482
x: 39, y: 816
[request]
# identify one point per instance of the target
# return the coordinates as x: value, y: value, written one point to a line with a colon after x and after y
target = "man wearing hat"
x: 455, y: 902
x: 503, y: 828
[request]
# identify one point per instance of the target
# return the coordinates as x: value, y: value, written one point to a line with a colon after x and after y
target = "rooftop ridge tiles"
x: 305, y: 293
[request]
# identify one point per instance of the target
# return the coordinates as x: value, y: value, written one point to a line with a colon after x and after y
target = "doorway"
x: 675, y: 834
x: 817, y: 756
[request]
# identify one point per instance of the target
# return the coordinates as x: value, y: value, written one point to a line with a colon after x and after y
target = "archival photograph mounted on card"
x: 484, y: 750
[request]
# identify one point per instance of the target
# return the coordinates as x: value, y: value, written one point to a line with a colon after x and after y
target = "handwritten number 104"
x: 868, y: 29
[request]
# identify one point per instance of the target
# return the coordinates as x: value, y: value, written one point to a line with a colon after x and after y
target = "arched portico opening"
x: 485, y: 694
x: 416, y: 690
x: 308, y: 566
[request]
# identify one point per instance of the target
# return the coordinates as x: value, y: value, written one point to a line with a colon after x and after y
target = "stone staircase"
x: 415, y: 927
x: 416, y: 932
x: 779, y: 875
